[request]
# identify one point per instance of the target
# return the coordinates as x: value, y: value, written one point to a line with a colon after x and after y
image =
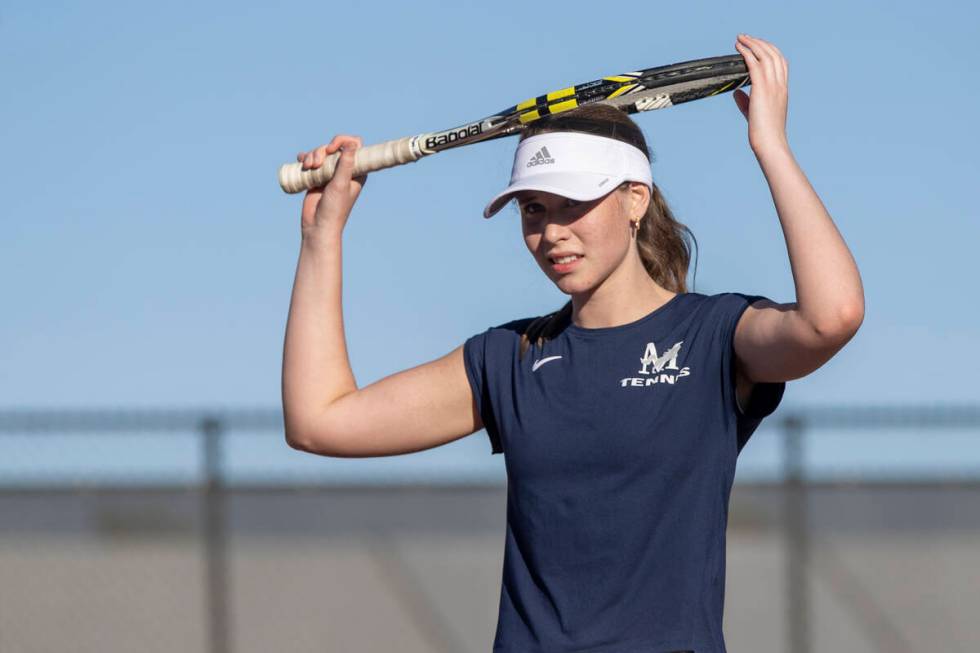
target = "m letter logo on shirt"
x: 668, y: 360
x: 658, y: 368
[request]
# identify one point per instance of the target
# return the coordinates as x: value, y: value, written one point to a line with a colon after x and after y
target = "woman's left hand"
x: 766, y: 112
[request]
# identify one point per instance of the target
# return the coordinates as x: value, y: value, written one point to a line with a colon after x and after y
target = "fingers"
x: 762, y: 59
x: 315, y: 158
x: 741, y: 44
x: 742, y: 102
x: 347, y: 145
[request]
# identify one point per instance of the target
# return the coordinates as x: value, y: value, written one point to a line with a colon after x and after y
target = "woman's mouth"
x: 564, y: 263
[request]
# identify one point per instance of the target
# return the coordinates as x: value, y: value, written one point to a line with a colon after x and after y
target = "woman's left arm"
x: 781, y: 342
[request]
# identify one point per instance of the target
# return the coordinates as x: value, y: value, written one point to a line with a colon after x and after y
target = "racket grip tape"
x: 294, y: 179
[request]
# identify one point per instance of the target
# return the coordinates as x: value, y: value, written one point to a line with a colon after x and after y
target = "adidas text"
x: 540, y: 157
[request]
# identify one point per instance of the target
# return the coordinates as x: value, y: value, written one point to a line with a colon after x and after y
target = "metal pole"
x: 215, y: 543
x: 797, y: 542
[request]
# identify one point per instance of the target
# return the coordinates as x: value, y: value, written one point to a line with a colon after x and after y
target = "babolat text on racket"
x: 644, y: 90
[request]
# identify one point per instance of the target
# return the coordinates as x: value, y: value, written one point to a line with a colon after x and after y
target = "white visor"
x: 575, y: 165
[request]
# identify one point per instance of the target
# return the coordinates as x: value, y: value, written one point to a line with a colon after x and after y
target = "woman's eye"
x: 531, y: 208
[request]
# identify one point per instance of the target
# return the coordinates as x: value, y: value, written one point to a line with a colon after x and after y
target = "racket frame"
x: 644, y: 90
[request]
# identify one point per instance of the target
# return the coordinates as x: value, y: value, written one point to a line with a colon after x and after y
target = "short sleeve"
x: 489, y: 358
x: 765, y: 396
x: 475, y: 359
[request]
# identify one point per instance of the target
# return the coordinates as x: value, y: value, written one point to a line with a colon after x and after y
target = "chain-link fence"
x: 852, y: 529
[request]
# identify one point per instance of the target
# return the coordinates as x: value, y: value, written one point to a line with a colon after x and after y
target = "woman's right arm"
x: 324, y: 411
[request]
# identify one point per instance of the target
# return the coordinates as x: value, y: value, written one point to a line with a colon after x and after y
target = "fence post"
x: 796, y: 538
x: 215, y: 542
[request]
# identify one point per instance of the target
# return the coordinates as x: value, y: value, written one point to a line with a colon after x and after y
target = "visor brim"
x: 579, y: 186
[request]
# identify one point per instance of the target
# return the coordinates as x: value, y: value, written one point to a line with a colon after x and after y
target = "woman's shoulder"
x: 724, y: 299
x: 517, y: 324
x: 514, y: 329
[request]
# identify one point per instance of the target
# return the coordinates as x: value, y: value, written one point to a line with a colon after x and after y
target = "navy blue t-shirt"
x: 620, y: 446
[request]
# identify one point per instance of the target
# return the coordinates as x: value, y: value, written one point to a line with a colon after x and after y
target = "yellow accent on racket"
x: 557, y: 95
x: 619, y: 91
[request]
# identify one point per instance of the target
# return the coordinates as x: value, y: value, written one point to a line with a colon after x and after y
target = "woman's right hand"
x: 328, y: 207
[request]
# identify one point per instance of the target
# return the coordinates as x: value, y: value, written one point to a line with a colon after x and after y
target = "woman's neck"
x: 625, y: 296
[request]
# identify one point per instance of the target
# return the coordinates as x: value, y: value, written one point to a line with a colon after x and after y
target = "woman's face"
x: 598, y: 231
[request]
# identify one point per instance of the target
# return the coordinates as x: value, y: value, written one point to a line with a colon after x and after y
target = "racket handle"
x: 294, y: 179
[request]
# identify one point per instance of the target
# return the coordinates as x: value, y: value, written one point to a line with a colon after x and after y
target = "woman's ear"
x: 640, y: 200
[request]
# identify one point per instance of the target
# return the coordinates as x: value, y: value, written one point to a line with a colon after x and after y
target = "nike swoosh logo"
x: 538, y: 363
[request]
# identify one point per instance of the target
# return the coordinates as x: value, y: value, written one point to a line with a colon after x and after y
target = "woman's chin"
x: 570, y: 286
x: 569, y: 283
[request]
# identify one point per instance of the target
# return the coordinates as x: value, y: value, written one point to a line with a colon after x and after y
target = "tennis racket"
x: 644, y: 90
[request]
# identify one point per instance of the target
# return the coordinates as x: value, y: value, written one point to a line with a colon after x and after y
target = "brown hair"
x: 662, y: 240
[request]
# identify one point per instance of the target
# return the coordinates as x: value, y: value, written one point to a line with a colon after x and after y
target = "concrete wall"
x: 891, y: 568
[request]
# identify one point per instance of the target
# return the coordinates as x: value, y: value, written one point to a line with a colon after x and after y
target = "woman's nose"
x: 554, y: 230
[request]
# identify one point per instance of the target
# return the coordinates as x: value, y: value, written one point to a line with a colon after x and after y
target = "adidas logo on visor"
x: 541, y: 157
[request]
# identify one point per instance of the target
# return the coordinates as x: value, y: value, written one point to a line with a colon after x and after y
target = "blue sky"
x: 148, y: 254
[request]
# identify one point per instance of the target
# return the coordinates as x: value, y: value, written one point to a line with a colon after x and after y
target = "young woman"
x: 621, y: 415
